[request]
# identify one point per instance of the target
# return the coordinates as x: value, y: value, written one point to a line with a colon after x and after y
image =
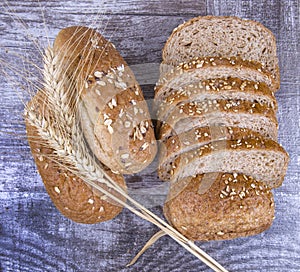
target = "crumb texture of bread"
x: 244, y: 114
x: 264, y: 159
x: 196, y: 137
x: 212, y: 68
x: 221, y: 36
x: 213, y: 89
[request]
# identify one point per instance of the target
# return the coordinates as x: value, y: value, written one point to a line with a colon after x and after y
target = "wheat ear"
x: 71, y: 149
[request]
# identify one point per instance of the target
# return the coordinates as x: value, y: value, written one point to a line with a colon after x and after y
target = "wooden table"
x: 35, y: 237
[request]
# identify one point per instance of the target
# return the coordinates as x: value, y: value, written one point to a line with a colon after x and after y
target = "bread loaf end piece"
x: 220, y: 206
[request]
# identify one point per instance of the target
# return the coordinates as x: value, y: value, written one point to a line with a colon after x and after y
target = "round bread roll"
x: 114, y: 114
x: 71, y: 196
x: 219, y: 206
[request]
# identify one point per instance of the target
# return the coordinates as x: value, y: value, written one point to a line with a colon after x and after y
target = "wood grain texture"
x: 35, y: 237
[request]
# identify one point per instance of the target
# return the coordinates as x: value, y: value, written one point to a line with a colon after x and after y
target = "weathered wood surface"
x: 35, y: 237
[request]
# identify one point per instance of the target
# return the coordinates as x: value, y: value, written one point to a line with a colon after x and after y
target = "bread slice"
x: 231, y: 113
x: 210, y: 68
x: 219, y: 36
x: 265, y: 160
x: 219, y: 88
x: 219, y: 206
x: 196, y: 137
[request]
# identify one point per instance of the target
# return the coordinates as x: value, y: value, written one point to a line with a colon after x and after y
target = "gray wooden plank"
x: 113, y: 7
x: 35, y: 237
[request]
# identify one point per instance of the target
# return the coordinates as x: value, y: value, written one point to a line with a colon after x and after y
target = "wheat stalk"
x: 67, y: 142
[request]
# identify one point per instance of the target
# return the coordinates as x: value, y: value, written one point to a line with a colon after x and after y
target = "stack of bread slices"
x: 218, y: 127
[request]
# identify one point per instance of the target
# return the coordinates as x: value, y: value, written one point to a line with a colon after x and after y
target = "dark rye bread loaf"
x: 114, y: 115
x: 202, y: 68
x: 71, y: 196
x: 244, y: 114
x: 219, y: 36
x: 263, y: 159
x: 219, y: 206
x: 219, y: 88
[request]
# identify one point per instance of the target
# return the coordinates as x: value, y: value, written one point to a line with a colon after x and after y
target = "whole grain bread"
x: 218, y: 128
x: 203, y: 68
x: 115, y: 118
x: 212, y: 89
x: 69, y: 193
x: 263, y: 159
x: 219, y: 206
x: 220, y: 36
x: 196, y: 137
x: 244, y: 114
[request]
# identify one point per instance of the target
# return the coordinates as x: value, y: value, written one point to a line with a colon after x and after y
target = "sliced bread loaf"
x: 219, y: 36
x: 239, y: 113
x: 265, y: 160
x: 219, y: 88
x: 231, y: 206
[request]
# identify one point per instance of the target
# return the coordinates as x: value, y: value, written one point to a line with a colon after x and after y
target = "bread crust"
x: 232, y: 206
x: 69, y: 193
x: 120, y: 123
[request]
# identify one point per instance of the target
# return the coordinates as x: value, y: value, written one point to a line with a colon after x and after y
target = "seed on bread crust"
x: 215, y: 214
x: 109, y: 89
